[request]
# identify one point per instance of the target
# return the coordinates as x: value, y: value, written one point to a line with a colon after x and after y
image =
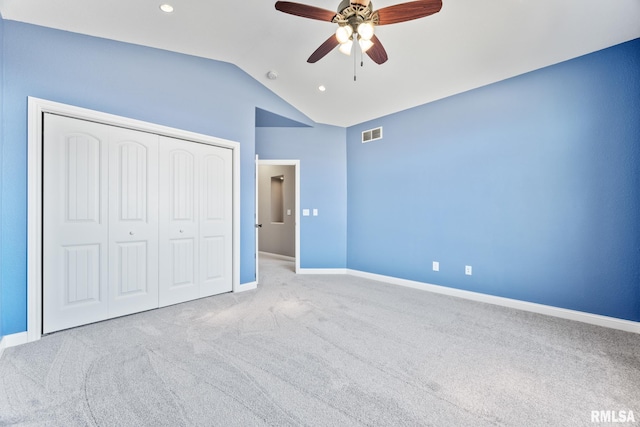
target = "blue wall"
x: 1, y: 150
x: 323, y: 185
x: 157, y: 86
x: 533, y: 181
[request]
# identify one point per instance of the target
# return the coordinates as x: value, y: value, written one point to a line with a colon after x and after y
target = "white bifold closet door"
x: 132, y: 221
x: 75, y: 223
x: 195, y: 222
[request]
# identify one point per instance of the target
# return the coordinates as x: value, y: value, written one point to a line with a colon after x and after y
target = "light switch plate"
x: 305, y: 212
x: 288, y: 212
x: 315, y: 212
x: 436, y: 266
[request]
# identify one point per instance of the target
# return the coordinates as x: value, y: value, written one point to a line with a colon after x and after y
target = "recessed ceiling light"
x: 166, y: 8
x: 321, y: 88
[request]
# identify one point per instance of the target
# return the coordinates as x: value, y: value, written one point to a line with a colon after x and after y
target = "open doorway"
x: 277, y: 211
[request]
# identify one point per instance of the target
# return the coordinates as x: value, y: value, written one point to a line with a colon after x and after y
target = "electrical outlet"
x: 436, y: 266
x: 467, y: 270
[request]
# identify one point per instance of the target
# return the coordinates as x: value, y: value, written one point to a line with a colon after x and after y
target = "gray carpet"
x: 323, y: 351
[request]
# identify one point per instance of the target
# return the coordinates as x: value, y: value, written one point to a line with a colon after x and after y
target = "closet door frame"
x: 36, y: 109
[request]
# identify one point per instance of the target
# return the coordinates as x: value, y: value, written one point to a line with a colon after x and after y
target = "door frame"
x: 296, y: 165
x: 36, y: 109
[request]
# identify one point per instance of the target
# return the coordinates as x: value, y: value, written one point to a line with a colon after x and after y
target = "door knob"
x: 182, y: 231
x: 131, y: 233
x: 258, y: 225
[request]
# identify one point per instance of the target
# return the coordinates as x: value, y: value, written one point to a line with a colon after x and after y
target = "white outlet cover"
x: 436, y: 266
x: 315, y: 212
x: 468, y: 270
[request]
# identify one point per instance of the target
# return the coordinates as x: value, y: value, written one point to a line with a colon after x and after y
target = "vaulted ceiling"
x: 468, y: 44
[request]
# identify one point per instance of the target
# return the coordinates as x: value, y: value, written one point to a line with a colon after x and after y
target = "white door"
x: 216, y: 222
x: 195, y: 220
x: 100, y: 236
x: 179, y: 218
x: 75, y: 223
x: 133, y: 221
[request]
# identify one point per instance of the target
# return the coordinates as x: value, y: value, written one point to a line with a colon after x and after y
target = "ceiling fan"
x: 356, y: 21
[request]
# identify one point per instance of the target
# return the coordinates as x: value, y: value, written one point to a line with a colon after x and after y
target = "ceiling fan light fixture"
x: 343, y: 33
x: 365, y: 30
x: 365, y: 44
x: 346, y: 47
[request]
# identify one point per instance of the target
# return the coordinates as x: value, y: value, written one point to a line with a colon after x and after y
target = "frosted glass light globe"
x: 365, y: 30
x: 343, y: 33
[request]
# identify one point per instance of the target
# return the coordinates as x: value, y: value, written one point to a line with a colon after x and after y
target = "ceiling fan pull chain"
x: 354, y: 64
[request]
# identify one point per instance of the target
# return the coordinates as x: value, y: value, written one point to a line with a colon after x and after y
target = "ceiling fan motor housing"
x: 354, y: 12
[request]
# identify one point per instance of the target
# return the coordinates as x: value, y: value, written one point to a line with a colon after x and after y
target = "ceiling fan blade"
x: 324, y: 48
x: 407, y: 11
x: 377, y: 52
x: 305, y: 11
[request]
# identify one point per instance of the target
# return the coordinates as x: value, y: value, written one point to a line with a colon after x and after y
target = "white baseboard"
x: 278, y: 256
x: 563, y: 313
x: 12, y: 341
x: 249, y: 286
x: 323, y: 271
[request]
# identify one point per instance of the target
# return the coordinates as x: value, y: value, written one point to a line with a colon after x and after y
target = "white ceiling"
x: 468, y: 44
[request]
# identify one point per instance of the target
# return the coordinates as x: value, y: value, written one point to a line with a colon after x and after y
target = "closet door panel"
x: 133, y: 221
x: 178, y: 221
x: 195, y: 220
x: 75, y: 228
x: 216, y: 221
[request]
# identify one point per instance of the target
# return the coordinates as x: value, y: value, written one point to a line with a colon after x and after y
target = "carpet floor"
x: 305, y: 350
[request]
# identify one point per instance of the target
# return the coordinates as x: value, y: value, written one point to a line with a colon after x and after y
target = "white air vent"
x: 372, y: 135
